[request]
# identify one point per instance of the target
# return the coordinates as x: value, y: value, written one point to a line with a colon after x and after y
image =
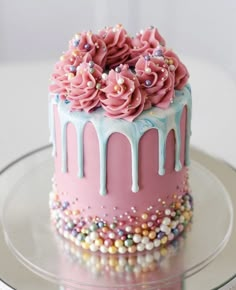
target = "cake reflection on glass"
x: 160, y: 268
x: 120, y: 124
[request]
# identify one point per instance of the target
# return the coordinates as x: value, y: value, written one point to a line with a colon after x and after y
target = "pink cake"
x: 120, y: 113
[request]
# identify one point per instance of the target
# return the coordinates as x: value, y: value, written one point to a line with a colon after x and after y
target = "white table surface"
x: 24, y: 117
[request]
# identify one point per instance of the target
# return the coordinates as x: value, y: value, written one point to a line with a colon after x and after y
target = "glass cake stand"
x: 33, y: 240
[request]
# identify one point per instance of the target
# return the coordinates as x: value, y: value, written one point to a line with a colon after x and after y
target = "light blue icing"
x: 155, y: 118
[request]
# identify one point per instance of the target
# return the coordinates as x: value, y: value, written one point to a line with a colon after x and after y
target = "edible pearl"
x: 172, y: 67
x: 144, y: 216
x: 128, y: 229
x: 132, y: 249
x: 157, y: 243
x: 149, y: 246
x: 120, y: 81
x: 171, y: 236
x: 137, y: 238
x: 91, y: 64
x: 93, y: 236
x: 140, y: 247
x: 104, y: 76
x: 116, y: 88
x: 111, y: 235
x: 147, y: 57
x: 72, y: 68
x: 76, y: 42
x: 167, y: 211
x: 148, y: 70
x: 118, y: 69
x: 148, y: 83
x: 145, y: 240
x: 165, y: 229
x: 152, y: 235
x: 70, y: 76
x: 103, y: 249
x: 166, y: 221
x: 93, y: 248
x: 112, y: 250
x: 153, y: 217
x: 128, y: 243
x: 90, y: 84
x: 119, y: 243
x: 88, y: 240
x: 158, y: 52
x: 122, y: 250
x: 98, y: 86
x: 87, y: 46
x: 164, y: 240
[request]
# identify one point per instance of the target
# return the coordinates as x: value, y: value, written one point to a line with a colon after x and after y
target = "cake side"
x: 161, y: 182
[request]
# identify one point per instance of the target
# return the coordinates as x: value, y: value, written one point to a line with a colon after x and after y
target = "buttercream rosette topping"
x: 122, y: 96
x: 124, y: 75
x: 157, y: 79
x: 145, y: 42
x: 118, y: 45
x: 84, y: 93
x: 87, y: 43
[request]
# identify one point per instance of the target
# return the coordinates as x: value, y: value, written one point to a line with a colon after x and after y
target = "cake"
x: 120, y: 123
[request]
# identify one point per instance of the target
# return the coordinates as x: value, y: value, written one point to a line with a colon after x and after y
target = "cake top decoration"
x: 124, y: 75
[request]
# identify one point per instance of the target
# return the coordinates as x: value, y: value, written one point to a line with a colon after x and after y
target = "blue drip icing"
x: 162, y: 120
x: 80, y: 152
x: 178, y: 165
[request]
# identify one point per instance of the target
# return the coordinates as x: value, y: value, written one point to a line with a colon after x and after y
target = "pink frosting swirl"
x: 88, y: 43
x: 63, y: 71
x: 145, y: 43
x: 118, y: 45
x: 78, y: 76
x: 156, y: 79
x: 180, y: 70
x: 85, y: 92
x: 122, y: 95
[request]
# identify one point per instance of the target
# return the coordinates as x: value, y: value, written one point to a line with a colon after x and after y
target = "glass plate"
x: 33, y: 240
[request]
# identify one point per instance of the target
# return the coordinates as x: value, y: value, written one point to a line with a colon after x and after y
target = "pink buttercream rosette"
x: 85, y: 93
x: 156, y: 72
x: 84, y: 46
x: 88, y: 43
x: 118, y: 45
x: 122, y: 95
x: 63, y: 70
x: 145, y: 43
x: 180, y: 70
x: 157, y: 80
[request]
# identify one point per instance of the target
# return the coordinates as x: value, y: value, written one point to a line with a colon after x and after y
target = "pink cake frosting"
x: 120, y: 112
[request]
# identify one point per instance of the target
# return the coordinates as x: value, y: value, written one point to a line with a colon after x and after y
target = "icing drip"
x: 162, y: 120
x: 79, y: 133
x: 189, y: 117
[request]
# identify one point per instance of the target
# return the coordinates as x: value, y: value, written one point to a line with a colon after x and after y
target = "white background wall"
x: 40, y: 29
x: 34, y: 33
